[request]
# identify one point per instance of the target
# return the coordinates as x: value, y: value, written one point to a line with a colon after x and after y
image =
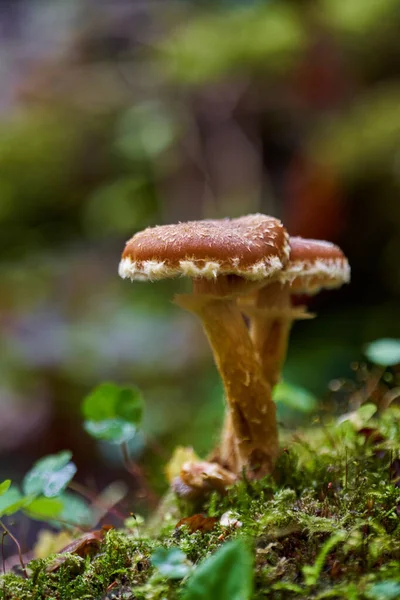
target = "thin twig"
x: 16, y: 542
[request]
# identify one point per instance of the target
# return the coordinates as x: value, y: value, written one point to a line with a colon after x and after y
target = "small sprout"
x: 171, y: 563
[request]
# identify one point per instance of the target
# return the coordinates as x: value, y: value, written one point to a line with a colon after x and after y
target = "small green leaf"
x: 129, y: 405
x: 384, y: 352
x: 113, y: 413
x: 44, y: 509
x: 226, y: 575
x: 12, y: 501
x: 49, y: 475
x: 100, y: 403
x: 171, y: 563
x: 76, y: 510
x: 294, y: 397
x: 116, y: 431
x: 4, y: 486
x: 385, y: 590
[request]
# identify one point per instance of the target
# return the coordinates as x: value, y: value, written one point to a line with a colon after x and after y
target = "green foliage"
x: 326, y: 526
x: 75, y: 511
x: 42, y: 487
x: 44, y: 509
x: 384, y: 352
x: 50, y: 475
x: 312, y: 572
x: 358, y: 16
x: 40, y: 507
x: 171, y: 562
x: 221, y: 41
x: 363, y: 137
x: 294, y: 397
x: 113, y: 413
x: 226, y: 575
x: 12, y: 501
x: 4, y: 486
x: 145, y: 130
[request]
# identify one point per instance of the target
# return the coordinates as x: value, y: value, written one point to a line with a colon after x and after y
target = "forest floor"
x: 327, y: 525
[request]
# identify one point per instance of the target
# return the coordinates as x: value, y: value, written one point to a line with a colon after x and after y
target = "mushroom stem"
x: 270, y: 325
x: 251, y: 411
x: 271, y: 318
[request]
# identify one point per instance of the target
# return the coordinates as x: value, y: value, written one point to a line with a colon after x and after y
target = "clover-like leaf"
x: 171, y: 562
x: 226, y: 575
x: 50, y: 475
x: 75, y: 511
x: 116, y: 431
x: 43, y: 509
x: 384, y: 352
x: 4, y: 486
x: 12, y: 501
x: 113, y: 413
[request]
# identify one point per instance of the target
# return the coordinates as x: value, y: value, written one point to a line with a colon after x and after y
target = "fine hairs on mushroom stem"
x: 271, y: 318
x: 253, y: 444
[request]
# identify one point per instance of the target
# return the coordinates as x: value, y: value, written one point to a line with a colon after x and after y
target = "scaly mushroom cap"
x: 315, y: 265
x: 254, y: 247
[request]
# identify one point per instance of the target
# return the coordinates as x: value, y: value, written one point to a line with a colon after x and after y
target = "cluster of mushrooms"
x: 245, y: 267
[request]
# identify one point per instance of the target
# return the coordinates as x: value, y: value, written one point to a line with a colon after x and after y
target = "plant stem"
x: 14, y: 539
x: 136, y: 471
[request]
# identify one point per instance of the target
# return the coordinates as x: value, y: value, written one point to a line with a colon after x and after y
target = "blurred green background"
x: 119, y: 114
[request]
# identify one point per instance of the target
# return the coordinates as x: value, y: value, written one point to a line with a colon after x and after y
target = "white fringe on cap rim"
x: 312, y: 276
x: 153, y: 270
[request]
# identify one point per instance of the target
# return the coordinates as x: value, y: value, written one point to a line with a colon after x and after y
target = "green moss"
x: 326, y: 526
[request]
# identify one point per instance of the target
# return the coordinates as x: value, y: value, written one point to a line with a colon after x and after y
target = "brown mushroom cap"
x: 254, y: 247
x: 314, y: 265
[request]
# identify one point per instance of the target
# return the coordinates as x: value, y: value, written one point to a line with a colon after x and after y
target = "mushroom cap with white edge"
x: 315, y: 265
x: 254, y: 247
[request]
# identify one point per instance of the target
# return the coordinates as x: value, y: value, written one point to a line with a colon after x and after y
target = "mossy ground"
x: 326, y: 526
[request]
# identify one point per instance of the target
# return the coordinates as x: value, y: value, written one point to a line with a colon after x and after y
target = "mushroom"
x: 313, y: 266
x: 225, y: 258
